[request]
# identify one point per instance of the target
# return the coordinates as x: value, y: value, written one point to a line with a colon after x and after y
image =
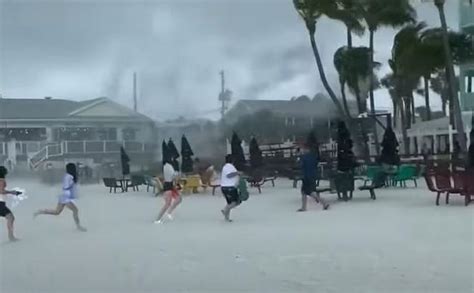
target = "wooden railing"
x: 88, y: 147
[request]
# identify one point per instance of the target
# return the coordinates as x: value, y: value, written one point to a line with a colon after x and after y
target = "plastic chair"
x: 371, y: 173
x: 192, y: 184
x: 405, y: 173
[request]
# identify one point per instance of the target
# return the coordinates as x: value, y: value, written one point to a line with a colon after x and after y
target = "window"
x: 129, y: 134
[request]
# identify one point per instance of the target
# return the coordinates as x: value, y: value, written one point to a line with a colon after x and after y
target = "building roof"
x: 59, y: 109
x: 439, y: 126
x: 321, y: 107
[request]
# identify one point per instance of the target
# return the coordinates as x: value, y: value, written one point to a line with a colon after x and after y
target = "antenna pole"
x: 135, y: 92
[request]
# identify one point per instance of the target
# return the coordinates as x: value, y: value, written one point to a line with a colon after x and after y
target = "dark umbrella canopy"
x: 186, y: 154
x: 390, y: 144
x: 256, y: 159
x: 164, y: 151
x: 172, y: 150
x: 173, y: 154
x: 237, y: 152
x: 125, y: 162
x: 345, y: 156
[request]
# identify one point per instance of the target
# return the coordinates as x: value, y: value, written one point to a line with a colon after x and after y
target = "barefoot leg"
x: 10, y: 227
x: 75, y: 215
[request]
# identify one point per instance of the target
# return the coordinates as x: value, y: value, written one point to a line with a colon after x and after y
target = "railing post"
x: 83, y: 146
x: 104, y: 146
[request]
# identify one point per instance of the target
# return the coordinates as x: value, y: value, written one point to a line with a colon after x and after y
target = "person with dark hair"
x: 171, y: 193
x: 4, y: 210
x: 229, y: 181
x: 67, y: 197
x: 309, y: 164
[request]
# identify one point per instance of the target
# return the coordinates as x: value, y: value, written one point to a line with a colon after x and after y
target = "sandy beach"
x: 401, y: 242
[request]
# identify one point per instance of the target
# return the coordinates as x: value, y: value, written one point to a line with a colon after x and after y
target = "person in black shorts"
x: 231, y: 195
x: 229, y: 180
x: 4, y: 210
x: 309, y: 163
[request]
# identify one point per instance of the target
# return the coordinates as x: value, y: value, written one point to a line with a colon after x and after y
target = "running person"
x: 172, y: 196
x: 4, y: 210
x: 66, y: 199
x: 309, y: 163
x: 229, y: 180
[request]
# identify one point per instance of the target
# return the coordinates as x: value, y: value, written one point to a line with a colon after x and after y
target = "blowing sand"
x: 401, y: 242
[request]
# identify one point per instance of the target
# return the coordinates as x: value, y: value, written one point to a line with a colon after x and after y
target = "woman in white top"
x: 171, y: 194
x: 4, y: 210
x: 66, y: 198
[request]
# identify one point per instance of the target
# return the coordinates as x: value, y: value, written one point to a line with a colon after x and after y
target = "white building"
x: 34, y: 131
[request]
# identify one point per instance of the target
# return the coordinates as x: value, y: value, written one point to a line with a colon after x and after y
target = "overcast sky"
x: 84, y: 49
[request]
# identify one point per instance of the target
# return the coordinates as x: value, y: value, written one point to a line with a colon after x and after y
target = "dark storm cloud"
x: 85, y: 49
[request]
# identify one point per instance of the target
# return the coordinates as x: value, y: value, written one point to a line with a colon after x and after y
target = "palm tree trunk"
x: 452, y: 78
x: 344, y: 99
x: 349, y: 37
x: 361, y: 105
x: 328, y: 88
x: 407, y: 112
x: 426, y: 80
x: 406, y: 145
x: 372, y: 100
x: 322, y: 75
x: 395, y: 113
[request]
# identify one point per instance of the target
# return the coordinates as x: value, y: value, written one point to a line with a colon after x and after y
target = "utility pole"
x: 221, y: 96
x: 225, y: 95
x: 135, y: 92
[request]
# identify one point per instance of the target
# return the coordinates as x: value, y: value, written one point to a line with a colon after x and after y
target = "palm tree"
x: 406, y: 64
x: 439, y: 85
x: 352, y: 16
x: 311, y: 11
x: 353, y: 67
x: 451, y: 78
x: 393, y: 83
x: 430, y: 58
x: 378, y: 13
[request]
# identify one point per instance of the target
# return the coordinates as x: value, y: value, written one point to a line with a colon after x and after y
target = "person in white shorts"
x: 67, y: 197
